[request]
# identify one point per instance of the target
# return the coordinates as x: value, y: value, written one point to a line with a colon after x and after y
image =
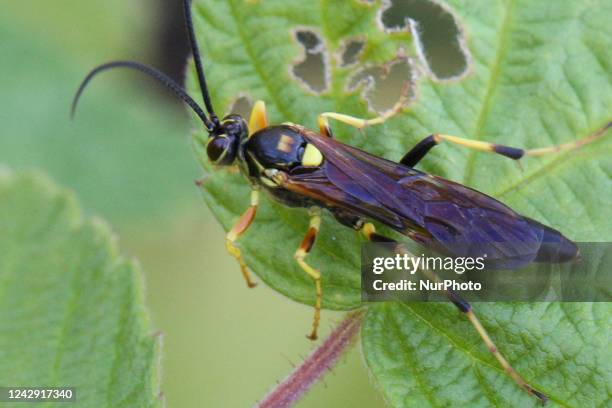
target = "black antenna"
x: 152, y: 72
x: 195, y: 50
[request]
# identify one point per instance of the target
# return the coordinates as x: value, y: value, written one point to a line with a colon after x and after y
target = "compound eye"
x: 217, y: 148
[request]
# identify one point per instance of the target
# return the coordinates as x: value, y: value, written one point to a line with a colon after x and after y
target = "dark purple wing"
x: 441, y: 214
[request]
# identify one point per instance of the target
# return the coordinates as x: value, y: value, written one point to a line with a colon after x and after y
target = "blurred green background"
x: 128, y: 157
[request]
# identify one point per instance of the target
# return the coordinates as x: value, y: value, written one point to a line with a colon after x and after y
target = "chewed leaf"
x: 351, y: 51
x: 71, y: 309
x: 312, y: 69
x: 383, y: 84
x: 438, y: 36
x: 540, y: 76
x: 241, y: 106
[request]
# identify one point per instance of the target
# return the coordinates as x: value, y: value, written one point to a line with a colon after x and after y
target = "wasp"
x: 311, y: 169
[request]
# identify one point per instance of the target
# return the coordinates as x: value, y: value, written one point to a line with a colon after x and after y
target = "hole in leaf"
x: 438, y: 36
x: 351, y: 51
x: 309, y: 40
x: 241, y: 106
x: 311, y: 69
x: 384, y: 83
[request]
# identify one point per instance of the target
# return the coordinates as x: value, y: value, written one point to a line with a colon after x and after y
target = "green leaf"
x: 71, y: 308
x: 539, y: 75
x: 428, y: 355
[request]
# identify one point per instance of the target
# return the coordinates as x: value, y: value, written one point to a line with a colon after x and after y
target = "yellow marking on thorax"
x: 285, y: 144
x: 312, y: 156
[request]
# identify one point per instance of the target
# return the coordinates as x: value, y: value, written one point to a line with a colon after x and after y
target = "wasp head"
x: 222, y: 146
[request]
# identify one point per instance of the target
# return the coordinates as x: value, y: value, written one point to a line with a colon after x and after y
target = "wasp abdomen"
x: 554, y: 247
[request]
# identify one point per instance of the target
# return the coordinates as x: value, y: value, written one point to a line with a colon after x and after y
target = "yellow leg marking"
x: 243, y: 223
x: 300, y: 255
x: 324, y: 126
x: 368, y: 229
x: 361, y: 123
x: 501, y: 359
x: 472, y: 144
x: 571, y: 145
x: 517, y: 153
x: 258, y: 119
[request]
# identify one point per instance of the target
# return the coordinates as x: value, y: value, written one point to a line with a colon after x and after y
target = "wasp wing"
x: 439, y: 213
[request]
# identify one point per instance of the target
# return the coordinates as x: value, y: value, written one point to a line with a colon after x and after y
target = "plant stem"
x: 321, y: 360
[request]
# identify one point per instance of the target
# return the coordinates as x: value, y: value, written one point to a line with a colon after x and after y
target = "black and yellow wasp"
x: 310, y: 169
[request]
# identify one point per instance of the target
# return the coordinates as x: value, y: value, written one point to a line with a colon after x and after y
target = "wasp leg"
x: 420, y: 150
x: 300, y: 255
x: 258, y: 119
x: 324, y: 126
x: 243, y: 223
x: 361, y: 123
x: 370, y: 233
